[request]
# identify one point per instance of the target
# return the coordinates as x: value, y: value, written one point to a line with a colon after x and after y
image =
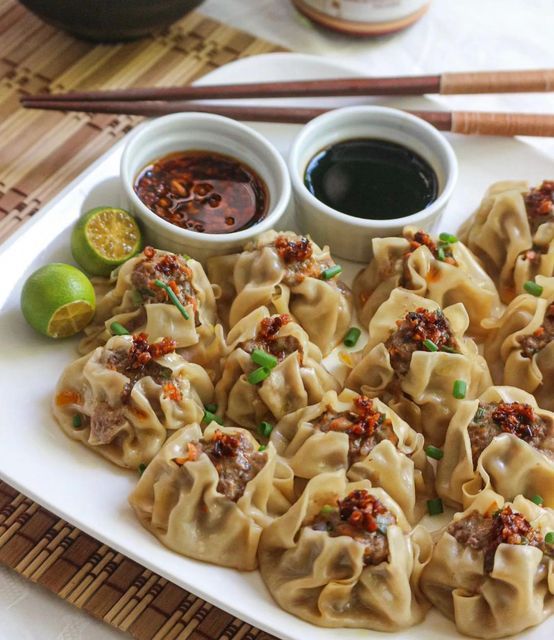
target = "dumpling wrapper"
x: 499, y: 234
x: 128, y: 433
x: 519, y: 591
x: 258, y: 277
x: 424, y: 396
x: 402, y: 470
x: 202, y: 343
x: 524, y: 315
x: 324, y: 580
x: 183, y: 509
x: 509, y: 466
x: 294, y: 383
x: 426, y: 276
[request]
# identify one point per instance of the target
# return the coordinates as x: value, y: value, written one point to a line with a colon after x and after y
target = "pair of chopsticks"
x: 158, y: 101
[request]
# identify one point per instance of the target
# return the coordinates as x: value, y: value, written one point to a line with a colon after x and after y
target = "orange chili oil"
x: 203, y: 191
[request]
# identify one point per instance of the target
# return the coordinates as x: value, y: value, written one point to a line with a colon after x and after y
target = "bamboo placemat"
x: 40, y: 152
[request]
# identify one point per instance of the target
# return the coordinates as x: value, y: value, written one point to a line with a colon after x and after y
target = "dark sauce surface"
x: 203, y: 191
x: 371, y: 178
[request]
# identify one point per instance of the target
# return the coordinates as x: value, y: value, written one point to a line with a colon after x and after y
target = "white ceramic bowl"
x: 350, y: 237
x: 182, y: 131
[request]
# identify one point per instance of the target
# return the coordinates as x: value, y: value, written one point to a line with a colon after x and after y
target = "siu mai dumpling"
x: 344, y: 555
x: 492, y: 570
x: 512, y: 234
x: 364, y: 438
x: 289, y: 274
x: 209, y: 495
x: 124, y: 399
x: 418, y: 361
x: 442, y: 270
x: 250, y: 391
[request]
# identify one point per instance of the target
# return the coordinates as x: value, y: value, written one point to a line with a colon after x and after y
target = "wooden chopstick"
x: 538, y: 80
x: 465, y: 122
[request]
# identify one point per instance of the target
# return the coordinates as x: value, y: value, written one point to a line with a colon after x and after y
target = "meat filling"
x: 420, y: 330
x: 268, y: 340
x: 297, y: 256
x: 364, y: 426
x: 235, y: 459
x: 541, y: 337
x: 362, y: 517
x: 539, y: 205
x: 494, y: 418
x: 170, y: 269
x: 486, y: 532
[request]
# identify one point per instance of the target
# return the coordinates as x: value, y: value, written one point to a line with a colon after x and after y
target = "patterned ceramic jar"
x: 363, y: 17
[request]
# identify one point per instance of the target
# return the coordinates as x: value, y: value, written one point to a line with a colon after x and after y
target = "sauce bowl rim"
x: 297, y: 172
x: 278, y: 198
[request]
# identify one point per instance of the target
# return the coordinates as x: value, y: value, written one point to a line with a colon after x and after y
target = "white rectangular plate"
x: 88, y: 491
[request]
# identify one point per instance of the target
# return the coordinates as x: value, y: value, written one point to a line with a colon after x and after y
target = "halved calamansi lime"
x: 103, y: 239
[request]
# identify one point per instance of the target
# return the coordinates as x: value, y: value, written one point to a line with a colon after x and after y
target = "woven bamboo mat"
x: 40, y: 152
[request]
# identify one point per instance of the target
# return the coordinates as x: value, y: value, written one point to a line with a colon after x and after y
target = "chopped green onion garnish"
x: 211, y: 417
x: 331, y: 272
x: 448, y: 349
x: 434, y: 507
x: 459, y: 389
x: 533, y: 288
x: 440, y: 254
x: 77, y: 421
x: 258, y: 375
x: 265, y: 428
x: 118, y: 329
x: 352, y: 336
x: 430, y: 345
x: 173, y: 298
x: 434, y: 452
x: 537, y: 500
x: 327, y: 508
x: 549, y: 537
x: 141, y: 468
x: 212, y: 408
x: 264, y: 359
x: 448, y: 238
x: 262, y: 447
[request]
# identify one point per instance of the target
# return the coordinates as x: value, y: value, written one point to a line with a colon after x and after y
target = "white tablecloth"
x: 454, y: 35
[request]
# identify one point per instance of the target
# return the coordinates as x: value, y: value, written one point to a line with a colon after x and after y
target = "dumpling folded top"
x: 209, y: 495
x: 161, y: 294
x: 249, y: 392
x: 492, y: 570
x: 521, y: 349
x: 512, y: 233
x: 418, y: 361
x: 443, y: 270
x: 503, y: 441
x: 344, y: 556
x: 288, y: 274
x: 121, y: 400
x: 364, y: 438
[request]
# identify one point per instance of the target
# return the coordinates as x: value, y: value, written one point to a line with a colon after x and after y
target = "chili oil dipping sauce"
x: 203, y: 191
x: 371, y: 178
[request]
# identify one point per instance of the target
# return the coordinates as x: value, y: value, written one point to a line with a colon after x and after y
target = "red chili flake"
x: 369, y: 418
x: 162, y: 347
x: 142, y: 352
x: 270, y: 327
x: 360, y: 509
x: 539, y: 201
x: 515, y: 418
x: 293, y: 250
x: 149, y: 252
x: 224, y: 445
x: 421, y: 238
x: 172, y: 392
x: 423, y: 324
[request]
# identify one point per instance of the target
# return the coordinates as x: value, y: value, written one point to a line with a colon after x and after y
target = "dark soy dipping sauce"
x: 373, y: 179
x: 203, y: 191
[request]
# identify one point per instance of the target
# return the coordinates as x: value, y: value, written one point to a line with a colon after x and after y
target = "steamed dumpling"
x: 443, y: 271
x: 124, y: 399
x: 286, y: 273
x: 209, y: 495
